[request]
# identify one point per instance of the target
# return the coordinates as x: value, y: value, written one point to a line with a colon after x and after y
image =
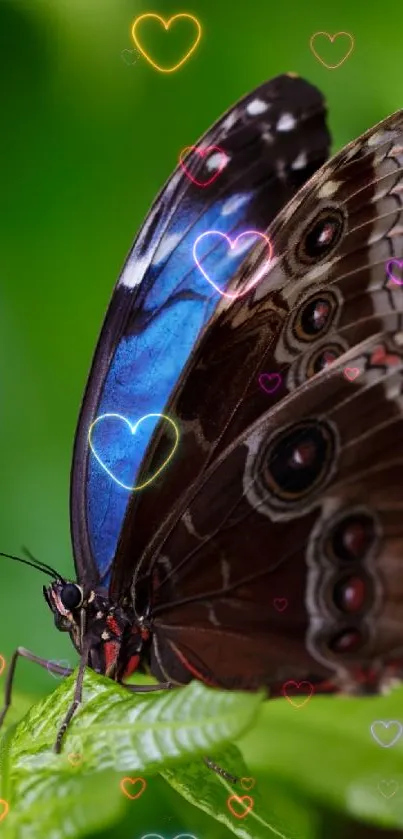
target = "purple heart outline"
x: 61, y: 662
x: 266, y: 377
x: 389, y: 269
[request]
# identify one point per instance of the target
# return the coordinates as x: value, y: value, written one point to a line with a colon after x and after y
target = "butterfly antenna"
x: 34, y: 563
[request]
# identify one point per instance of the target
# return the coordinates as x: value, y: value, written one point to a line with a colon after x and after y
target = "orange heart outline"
x: 74, y: 758
x: 166, y: 26
x: 240, y: 799
x: 2, y: 664
x: 332, y: 38
x: 6, y: 809
x: 132, y: 781
x: 247, y: 783
x: 297, y: 685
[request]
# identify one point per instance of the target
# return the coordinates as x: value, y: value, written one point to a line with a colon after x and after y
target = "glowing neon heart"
x: 388, y: 788
x: 383, y: 727
x: 332, y: 38
x: 280, y: 604
x: 351, y: 373
x: 232, y: 245
x: 270, y: 382
x: 203, y: 153
x: 389, y: 270
x: 245, y: 807
x: 4, y: 809
x: 247, y: 783
x: 63, y: 661
x: 166, y: 25
x: 298, y: 686
x: 74, y: 758
x: 133, y: 429
x: 128, y: 794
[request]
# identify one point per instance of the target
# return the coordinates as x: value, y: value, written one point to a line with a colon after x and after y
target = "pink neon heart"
x: 233, y: 245
x: 270, y: 382
x: 280, y: 603
x: 389, y: 269
x: 351, y: 373
x: 203, y: 153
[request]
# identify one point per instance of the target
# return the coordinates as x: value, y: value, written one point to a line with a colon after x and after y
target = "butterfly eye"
x: 350, y: 594
x: 299, y: 459
x: 349, y: 640
x: 71, y: 596
x: 321, y: 237
x: 315, y: 316
x: 352, y: 537
x: 322, y: 359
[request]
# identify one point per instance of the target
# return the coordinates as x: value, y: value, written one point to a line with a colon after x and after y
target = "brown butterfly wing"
x: 325, y: 291
x: 305, y: 505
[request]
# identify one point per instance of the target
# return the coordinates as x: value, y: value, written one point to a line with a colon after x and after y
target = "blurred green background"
x: 86, y: 141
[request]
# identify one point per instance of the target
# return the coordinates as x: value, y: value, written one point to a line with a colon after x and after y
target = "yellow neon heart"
x: 166, y: 25
x: 133, y: 429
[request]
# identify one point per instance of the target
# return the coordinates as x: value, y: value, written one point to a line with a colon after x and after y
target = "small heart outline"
x: 247, y: 783
x: 389, y: 266
x: 386, y: 725
x: 262, y: 380
x: 60, y: 663
x: 133, y: 781
x: 133, y: 428
x: 166, y: 26
x: 6, y: 808
x: 232, y: 245
x: 351, y: 373
x: 202, y: 153
x: 332, y: 38
x: 280, y: 604
x: 240, y: 799
x: 74, y: 758
x: 387, y: 783
x: 298, y: 685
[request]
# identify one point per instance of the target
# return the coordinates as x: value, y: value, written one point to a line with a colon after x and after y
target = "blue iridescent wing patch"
x: 273, y: 140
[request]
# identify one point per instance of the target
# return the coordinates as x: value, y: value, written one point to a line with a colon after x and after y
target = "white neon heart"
x: 133, y: 429
x: 232, y: 245
x: 386, y: 725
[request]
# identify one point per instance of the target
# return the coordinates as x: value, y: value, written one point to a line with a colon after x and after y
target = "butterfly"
x: 197, y: 497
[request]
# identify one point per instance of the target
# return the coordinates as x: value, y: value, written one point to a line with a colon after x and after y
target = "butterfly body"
x: 290, y: 491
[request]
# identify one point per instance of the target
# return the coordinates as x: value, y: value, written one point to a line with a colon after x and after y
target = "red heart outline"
x: 203, y: 153
x: 280, y: 604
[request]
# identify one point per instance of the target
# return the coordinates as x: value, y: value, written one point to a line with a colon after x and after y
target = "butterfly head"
x: 66, y: 601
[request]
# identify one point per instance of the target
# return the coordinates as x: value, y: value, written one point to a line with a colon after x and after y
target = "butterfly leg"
x: 78, y: 694
x: 148, y: 688
x: 23, y: 653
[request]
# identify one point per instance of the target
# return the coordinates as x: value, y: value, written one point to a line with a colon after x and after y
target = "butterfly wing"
x: 304, y: 507
x: 325, y: 290
x: 272, y: 140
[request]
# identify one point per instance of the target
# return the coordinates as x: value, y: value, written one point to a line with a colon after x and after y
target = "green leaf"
x: 273, y: 814
x: 325, y: 751
x: 113, y: 729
